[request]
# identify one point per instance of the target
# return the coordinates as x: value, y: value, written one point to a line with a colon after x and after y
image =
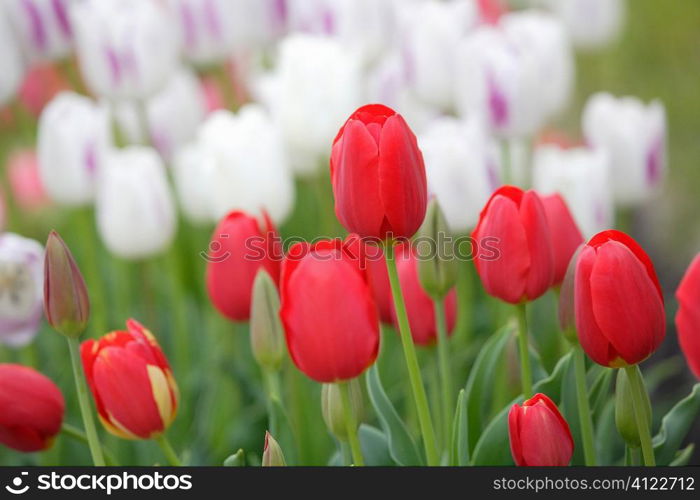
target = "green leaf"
x: 401, y: 446
x: 375, y: 448
x: 493, y: 447
x: 459, y: 452
x: 599, y: 389
x: 569, y: 409
x: 236, y: 460
x: 285, y: 438
x: 674, y: 427
x: 683, y: 456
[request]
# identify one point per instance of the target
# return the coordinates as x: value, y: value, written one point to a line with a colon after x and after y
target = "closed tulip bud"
x: 32, y: 409
x: 625, y: 419
x: 329, y: 317
x: 539, y: 435
x: 567, y: 312
x: 688, y: 316
x: 21, y: 289
x: 565, y: 234
x: 272, y: 453
x: 43, y: 28
x: 419, y: 305
x: 619, y: 305
x: 437, y: 271
x: 240, y: 246
x: 515, y: 258
x: 12, y: 60
x: 134, y: 390
x: 266, y: 333
x: 66, y: 300
x: 378, y: 175
x: 332, y: 408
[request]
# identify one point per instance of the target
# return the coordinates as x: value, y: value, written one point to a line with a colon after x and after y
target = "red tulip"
x: 31, y: 409
x: 618, y: 303
x: 421, y: 312
x: 372, y: 256
x: 239, y: 248
x: 328, y: 313
x: 515, y: 224
x: 539, y: 435
x: 566, y: 236
x: 688, y: 316
x: 130, y: 378
x: 378, y: 175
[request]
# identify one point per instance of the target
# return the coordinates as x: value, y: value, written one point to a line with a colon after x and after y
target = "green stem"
x: 445, y: 368
x: 525, y: 370
x: 85, y: 409
x: 350, y: 424
x: 409, y: 351
x: 272, y: 382
x: 77, y: 434
x: 637, y: 389
x: 584, y: 410
x: 168, y: 451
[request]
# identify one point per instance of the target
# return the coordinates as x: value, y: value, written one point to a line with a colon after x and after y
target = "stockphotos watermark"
x: 99, y: 483
x: 443, y: 247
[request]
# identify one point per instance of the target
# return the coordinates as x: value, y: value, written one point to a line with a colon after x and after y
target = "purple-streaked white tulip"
x: 634, y: 136
x: 591, y: 23
x: 580, y: 175
x: 136, y: 216
x: 21, y: 289
x: 462, y: 163
x: 127, y: 49
x: 73, y: 137
x: 11, y: 57
x: 43, y: 28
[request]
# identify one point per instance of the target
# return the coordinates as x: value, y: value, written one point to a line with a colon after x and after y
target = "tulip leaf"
x: 285, y: 433
x: 599, y: 388
x: 683, y: 456
x: 236, y: 460
x: 375, y: 448
x: 402, y: 448
x: 675, y: 425
x: 493, y: 447
x: 459, y: 452
x: 569, y: 409
x: 606, y: 432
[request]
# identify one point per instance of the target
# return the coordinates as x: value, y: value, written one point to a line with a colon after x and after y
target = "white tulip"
x: 127, y: 49
x: 580, y: 175
x: 591, y: 23
x: 248, y: 169
x: 21, y: 289
x: 73, y: 137
x: 634, y: 136
x: 42, y: 26
x: 193, y: 172
x: 316, y: 86
x: 11, y: 57
x: 462, y: 166
x: 136, y: 215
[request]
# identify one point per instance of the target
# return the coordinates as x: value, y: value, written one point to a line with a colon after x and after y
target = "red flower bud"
x: 238, y: 249
x: 566, y: 236
x: 378, y: 175
x: 618, y: 302
x: 688, y: 315
x: 539, y: 435
x: 514, y: 223
x: 130, y: 378
x: 32, y: 409
x: 329, y: 316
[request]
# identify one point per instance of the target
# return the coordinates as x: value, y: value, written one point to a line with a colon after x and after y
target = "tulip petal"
x: 516, y: 447
x: 539, y: 244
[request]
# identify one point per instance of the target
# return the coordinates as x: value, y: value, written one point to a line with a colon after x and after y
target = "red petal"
x: 539, y: 244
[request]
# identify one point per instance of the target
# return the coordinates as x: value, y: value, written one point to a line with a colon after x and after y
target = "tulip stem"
x: 445, y: 368
x: 525, y: 370
x: 584, y: 410
x: 409, y: 352
x: 75, y: 433
x: 85, y: 409
x: 637, y: 390
x: 168, y: 451
x: 272, y: 379
x: 350, y: 424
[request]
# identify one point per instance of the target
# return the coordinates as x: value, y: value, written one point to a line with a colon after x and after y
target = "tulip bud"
x: 437, y: 272
x: 688, y: 316
x: 332, y: 408
x: 66, y: 300
x: 566, y: 236
x: 567, y: 314
x: 272, y: 453
x: 266, y: 332
x: 625, y: 418
x: 235, y: 460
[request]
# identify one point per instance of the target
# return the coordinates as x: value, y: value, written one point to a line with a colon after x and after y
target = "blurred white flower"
x: 21, y: 289
x: 136, y: 215
x: 193, y: 170
x: 580, y: 175
x: 11, y: 57
x: 463, y: 168
x: 242, y: 155
x: 634, y: 136
x: 429, y: 33
x: 127, y: 49
x: 42, y: 26
x: 315, y: 87
x: 73, y: 136
x: 591, y: 23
